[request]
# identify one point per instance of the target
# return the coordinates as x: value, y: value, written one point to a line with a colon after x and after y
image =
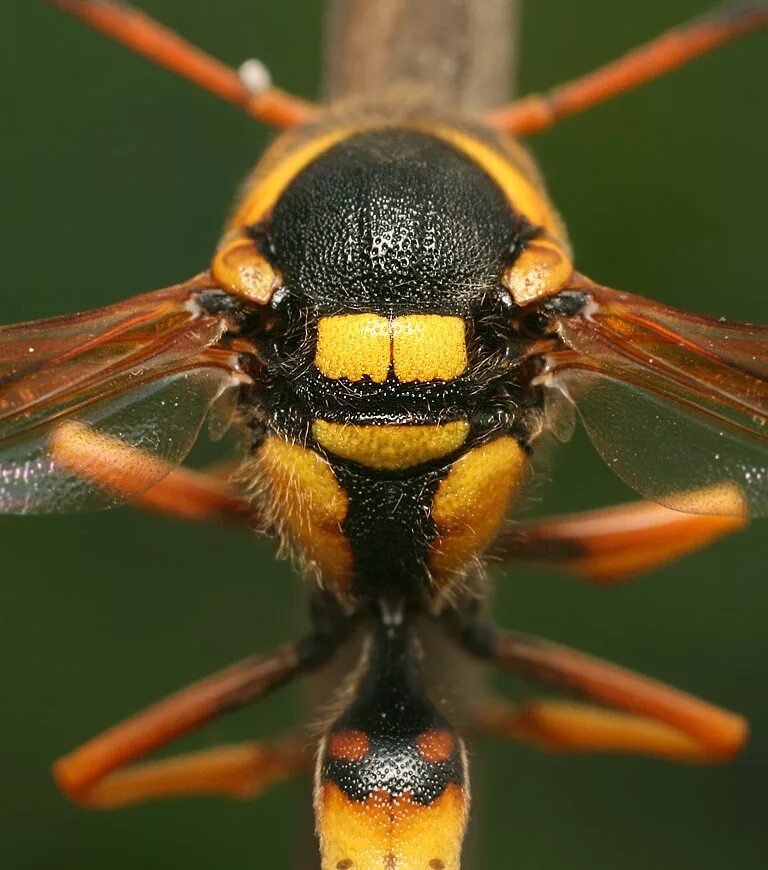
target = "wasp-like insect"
x: 393, y: 321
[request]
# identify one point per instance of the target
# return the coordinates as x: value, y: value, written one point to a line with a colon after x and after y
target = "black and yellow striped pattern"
x: 391, y: 787
x: 391, y: 436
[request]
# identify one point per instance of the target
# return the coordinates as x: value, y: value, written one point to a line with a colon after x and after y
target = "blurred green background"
x: 116, y: 177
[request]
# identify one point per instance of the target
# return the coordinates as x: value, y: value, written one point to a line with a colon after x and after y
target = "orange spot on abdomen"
x: 349, y: 745
x: 435, y: 745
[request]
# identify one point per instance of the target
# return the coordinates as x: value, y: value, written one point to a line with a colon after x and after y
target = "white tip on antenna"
x: 255, y: 76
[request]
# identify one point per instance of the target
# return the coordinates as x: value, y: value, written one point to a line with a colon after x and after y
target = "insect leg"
x: 243, y: 770
x: 123, y: 470
x: 710, y: 732
x: 672, y: 49
x: 616, y: 543
x: 199, y: 497
x: 147, y: 37
x: 87, y: 772
x: 565, y: 726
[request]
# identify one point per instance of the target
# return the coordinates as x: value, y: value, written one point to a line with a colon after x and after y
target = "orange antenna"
x: 672, y: 49
x: 153, y: 40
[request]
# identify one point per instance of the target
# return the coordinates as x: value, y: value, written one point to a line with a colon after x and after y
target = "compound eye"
x: 543, y: 268
x: 241, y: 268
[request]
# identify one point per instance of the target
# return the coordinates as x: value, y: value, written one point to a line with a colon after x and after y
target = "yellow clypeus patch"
x: 390, y: 447
x: 428, y: 347
x: 471, y: 502
x: 308, y: 501
x: 354, y: 345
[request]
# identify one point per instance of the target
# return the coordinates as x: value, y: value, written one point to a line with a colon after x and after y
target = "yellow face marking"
x: 541, y: 270
x: 390, y: 447
x: 419, y: 347
x: 266, y: 191
x: 428, y: 347
x: 354, y: 345
x: 471, y: 503
x: 390, y: 833
x: 306, y: 499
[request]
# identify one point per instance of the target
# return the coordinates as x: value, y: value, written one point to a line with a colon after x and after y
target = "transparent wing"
x: 97, y: 407
x: 676, y: 404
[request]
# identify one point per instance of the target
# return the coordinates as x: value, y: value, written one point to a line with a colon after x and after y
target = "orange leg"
x: 563, y: 726
x: 663, y: 720
x: 616, y: 543
x: 672, y: 49
x: 87, y: 773
x: 147, y: 37
x: 126, y: 471
x: 203, y: 498
x: 242, y: 771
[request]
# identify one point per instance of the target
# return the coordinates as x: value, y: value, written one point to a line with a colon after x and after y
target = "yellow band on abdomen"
x: 390, y: 447
x: 390, y: 831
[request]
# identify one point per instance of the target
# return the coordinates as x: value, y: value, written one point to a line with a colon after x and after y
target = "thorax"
x: 391, y: 429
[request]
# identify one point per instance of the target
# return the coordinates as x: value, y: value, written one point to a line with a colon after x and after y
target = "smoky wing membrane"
x: 676, y: 403
x: 96, y: 407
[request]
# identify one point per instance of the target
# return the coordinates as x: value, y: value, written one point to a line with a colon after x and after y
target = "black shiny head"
x: 392, y: 219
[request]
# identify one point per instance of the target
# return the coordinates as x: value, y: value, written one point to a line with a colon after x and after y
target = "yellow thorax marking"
x: 471, y: 502
x: 418, y: 347
x: 354, y: 345
x: 261, y: 198
x: 309, y: 503
x: 390, y: 447
x: 520, y: 191
x: 428, y: 347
